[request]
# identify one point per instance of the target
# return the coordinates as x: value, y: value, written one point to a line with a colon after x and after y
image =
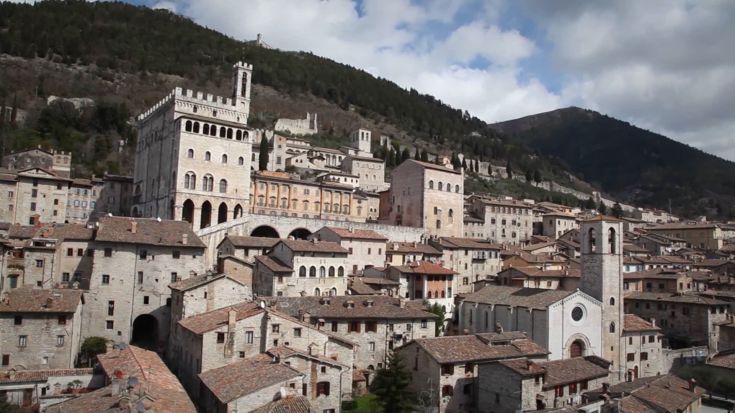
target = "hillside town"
x: 245, y: 269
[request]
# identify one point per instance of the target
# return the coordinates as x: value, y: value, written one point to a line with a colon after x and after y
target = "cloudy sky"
x: 664, y: 65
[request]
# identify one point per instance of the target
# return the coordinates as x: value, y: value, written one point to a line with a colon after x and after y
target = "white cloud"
x: 398, y: 40
x: 166, y: 5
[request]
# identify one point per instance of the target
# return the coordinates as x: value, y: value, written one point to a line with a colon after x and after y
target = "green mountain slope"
x: 124, y: 47
x: 633, y: 164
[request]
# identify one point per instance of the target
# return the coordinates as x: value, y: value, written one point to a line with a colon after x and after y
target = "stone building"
x: 193, y: 155
x: 301, y: 267
x: 41, y: 328
x: 376, y: 324
x: 236, y: 254
x: 370, y: 171
x: 133, y: 378
x: 428, y: 196
x: 116, y: 197
x: 135, y: 259
x: 471, y: 259
x: 703, y: 235
x: 402, y: 253
x: 279, y: 193
x: 507, y: 221
x: 534, y: 277
x: 40, y: 196
x: 58, y: 163
x: 643, y: 348
x: 555, y: 224
x: 427, y: 281
x: 444, y: 370
x: 224, y: 336
x: 46, y: 387
x: 307, y: 126
x: 686, y: 319
x: 81, y: 204
x: 366, y: 247
x: 526, y: 385
x: 665, y: 393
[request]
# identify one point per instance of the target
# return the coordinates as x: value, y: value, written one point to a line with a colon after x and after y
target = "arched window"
x: 208, y: 183
x: 212, y: 130
x: 333, y: 292
x: 591, y: 240
x: 312, y: 271
x: 612, y: 300
x: 238, y: 135
x: 331, y: 271
x: 451, y: 215
x: 207, y: 156
x: 241, y: 161
x: 611, y: 241
x: 224, y: 158
x: 317, y: 292
x: 190, y: 153
x: 447, y: 391
x: 449, y: 187
x: 190, y: 180
x: 222, y: 132
x: 229, y: 133
x: 196, y: 127
x: 322, y: 271
x: 612, y: 327
x: 223, y: 186
x: 187, y: 126
x: 456, y: 188
x: 444, y: 294
x: 487, y: 319
x: 302, y: 271
x: 340, y: 272
x: 439, y: 186
x: 431, y: 184
x: 428, y: 295
x: 205, y: 129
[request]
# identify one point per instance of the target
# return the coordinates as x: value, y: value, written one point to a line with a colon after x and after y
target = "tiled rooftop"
x: 37, y: 300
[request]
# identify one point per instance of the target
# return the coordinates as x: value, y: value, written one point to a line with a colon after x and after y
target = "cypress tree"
x: 263, y: 155
x: 424, y: 156
x: 391, y: 385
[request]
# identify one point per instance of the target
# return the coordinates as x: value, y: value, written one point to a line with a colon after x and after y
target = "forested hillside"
x: 633, y: 164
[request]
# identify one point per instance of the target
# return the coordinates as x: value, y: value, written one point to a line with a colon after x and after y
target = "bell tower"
x: 241, y: 82
x: 602, y: 278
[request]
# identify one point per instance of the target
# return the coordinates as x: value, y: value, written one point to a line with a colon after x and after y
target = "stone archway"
x: 265, y: 231
x: 206, y: 219
x: 145, y: 332
x: 300, y: 233
x: 237, y: 212
x: 578, y: 345
x: 576, y: 349
x: 222, y: 213
x: 187, y: 213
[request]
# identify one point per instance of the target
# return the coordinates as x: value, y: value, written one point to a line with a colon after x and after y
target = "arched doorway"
x: 265, y: 231
x: 237, y: 212
x: 300, y: 233
x: 576, y: 349
x: 206, y: 219
x: 145, y: 332
x: 187, y: 214
x: 222, y: 213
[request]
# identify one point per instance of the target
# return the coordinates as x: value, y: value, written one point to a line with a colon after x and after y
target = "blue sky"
x: 664, y: 65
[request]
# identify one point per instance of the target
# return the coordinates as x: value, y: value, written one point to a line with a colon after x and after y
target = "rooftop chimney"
x: 133, y: 227
x: 369, y: 303
x: 231, y: 319
x: 692, y: 385
x: 184, y: 239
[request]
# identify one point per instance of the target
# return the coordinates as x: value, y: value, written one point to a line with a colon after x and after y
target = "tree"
x: 424, y: 156
x: 590, y: 203
x: 509, y: 170
x: 263, y: 156
x: 455, y: 161
x: 417, y: 155
x: 602, y: 208
x: 391, y: 385
x: 91, y: 347
x: 490, y: 169
x: 405, y: 155
x: 529, y: 175
x: 537, y: 176
x: 397, y: 154
x: 477, y: 166
x: 617, y: 210
x: 464, y: 163
x: 440, y: 317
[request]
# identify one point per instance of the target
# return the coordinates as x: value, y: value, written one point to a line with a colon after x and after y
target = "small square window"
x: 176, y: 254
x: 105, y: 279
x: 108, y: 252
x: 22, y: 341
x: 59, y: 341
x: 146, y: 300
x: 297, y: 332
x: 220, y: 338
x: 109, y: 325
x: 275, y: 328
x: 18, y: 320
x: 62, y: 320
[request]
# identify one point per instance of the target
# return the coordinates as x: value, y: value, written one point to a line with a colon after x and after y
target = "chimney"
x: 231, y: 318
x: 498, y: 328
x: 49, y: 302
x: 184, y: 239
x: 401, y: 303
x: 306, y: 317
x: 369, y: 303
x: 653, y: 321
x: 692, y: 385
x: 133, y: 227
x: 314, y: 240
x: 605, y: 388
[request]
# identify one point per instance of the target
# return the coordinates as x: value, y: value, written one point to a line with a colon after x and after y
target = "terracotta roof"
x: 22, y: 231
x: 204, y: 322
x: 357, y: 233
x: 252, y: 242
x: 285, y: 352
x: 724, y: 360
x: 493, y: 337
x: 194, y: 282
x: 36, y: 300
x: 601, y: 217
x: 634, y: 323
x: 432, y: 166
x: 559, y: 372
x: 378, y: 281
x: 289, y: 404
x: 467, y: 243
x: 459, y: 349
x: 147, y: 231
x: 423, y: 267
x: 337, y: 307
x: 273, y: 264
x: 154, y: 378
x: 299, y: 245
x: 540, y: 272
x: 360, y: 288
x: 518, y: 297
x: 29, y: 376
x: 245, y: 377
x: 683, y: 226
x: 666, y: 393
x: 514, y: 203
x: 412, y: 248
x: 684, y: 298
